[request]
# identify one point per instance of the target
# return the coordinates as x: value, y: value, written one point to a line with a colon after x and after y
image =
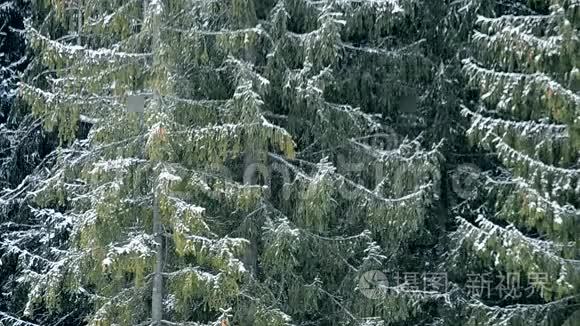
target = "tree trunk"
x: 157, y: 294
x: 157, y: 291
x: 79, y: 21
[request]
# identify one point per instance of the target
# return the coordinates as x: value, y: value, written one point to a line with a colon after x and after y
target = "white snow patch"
x: 166, y: 176
x: 111, y: 165
x: 106, y: 263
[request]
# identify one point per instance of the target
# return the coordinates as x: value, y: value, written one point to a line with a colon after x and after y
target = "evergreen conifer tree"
x: 288, y: 153
x: 23, y: 146
x: 254, y: 113
x: 522, y: 227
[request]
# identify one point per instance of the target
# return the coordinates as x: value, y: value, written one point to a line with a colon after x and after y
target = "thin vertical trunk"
x: 252, y: 175
x: 79, y: 21
x: 157, y: 293
x: 157, y: 290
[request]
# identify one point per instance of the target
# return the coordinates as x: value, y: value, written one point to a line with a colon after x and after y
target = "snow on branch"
x: 13, y: 321
x: 509, y: 249
x: 102, y: 81
x: 194, y: 32
x: 26, y: 258
x: 59, y: 51
x: 473, y: 67
x: 196, y: 102
x: 407, y: 50
x: 550, y: 45
x: 401, y: 152
x: 56, y: 99
x: 544, y: 141
x: 504, y: 89
x: 139, y: 245
x: 214, y: 290
x: 516, y: 160
x: 518, y: 202
x: 62, y: 112
x: 202, y: 274
x: 220, y: 253
x: 537, y: 25
x: 571, y: 9
x: 525, y: 128
x: 126, y: 302
x: 6, y: 6
x: 525, y: 52
x: 551, y: 248
x: 358, y: 188
x: 47, y: 286
x: 116, y: 165
x: 237, y: 136
x: 495, y: 315
x: 381, y: 6
x: 108, y: 21
x: 57, y: 221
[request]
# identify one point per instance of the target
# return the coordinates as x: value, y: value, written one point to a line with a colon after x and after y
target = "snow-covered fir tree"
x: 522, y: 226
x: 262, y: 182
x: 287, y: 150
x: 131, y: 193
x: 12, y: 61
x: 25, y: 154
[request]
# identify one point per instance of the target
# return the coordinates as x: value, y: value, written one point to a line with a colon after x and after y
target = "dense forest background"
x: 297, y: 162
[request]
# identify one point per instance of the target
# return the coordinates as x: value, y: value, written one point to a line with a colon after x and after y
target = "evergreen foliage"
x: 287, y: 149
x: 524, y: 65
